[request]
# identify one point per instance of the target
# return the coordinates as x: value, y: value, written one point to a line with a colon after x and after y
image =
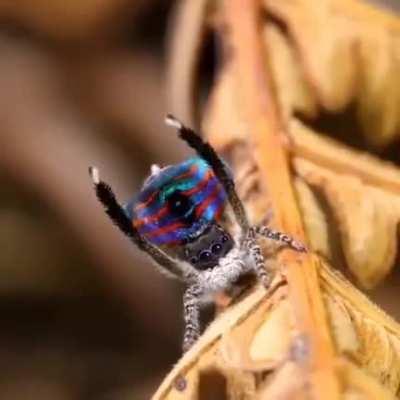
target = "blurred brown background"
x: 83, y: 314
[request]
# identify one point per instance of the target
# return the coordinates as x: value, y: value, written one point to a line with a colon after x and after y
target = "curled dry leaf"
x: 313, y: 334
x: 256, y: 341
x: 336, y: 53
x: 362, y: 194
x: 362, y: 331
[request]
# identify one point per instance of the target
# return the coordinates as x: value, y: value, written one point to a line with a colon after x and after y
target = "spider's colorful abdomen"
x: 177, y: 202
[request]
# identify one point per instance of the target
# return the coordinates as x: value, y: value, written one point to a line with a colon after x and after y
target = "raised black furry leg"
x: 207, y: 152
x: 113, y: 209
x: 117, y: 214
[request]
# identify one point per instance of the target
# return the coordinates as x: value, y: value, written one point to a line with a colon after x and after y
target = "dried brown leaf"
x: 365, y: 206
x: 341, y: 52
x: 366, y: 218
x: 313, y: 334
x: 372, y: 337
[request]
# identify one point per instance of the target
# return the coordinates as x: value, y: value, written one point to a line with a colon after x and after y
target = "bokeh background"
x: 83, y: 315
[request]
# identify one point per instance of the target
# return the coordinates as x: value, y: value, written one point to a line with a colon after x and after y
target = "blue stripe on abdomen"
x: 163, y: 184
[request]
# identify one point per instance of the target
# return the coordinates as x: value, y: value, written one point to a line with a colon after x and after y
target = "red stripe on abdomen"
x: 208, y: 201
x: 200, y: 186
x: 144, y: 204
x: 192, y: 170
x: 165, y: 229
x: 151, y: 218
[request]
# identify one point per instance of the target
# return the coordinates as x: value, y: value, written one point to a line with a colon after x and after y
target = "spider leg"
x: 191, y: 310
x: 207, y: 152
x: 116, y: 213
x: 280, y: 237
x: 261, y: 268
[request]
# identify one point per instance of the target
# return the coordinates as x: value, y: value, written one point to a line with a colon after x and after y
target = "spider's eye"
x: 224, y: 239
x: 193, y: 260
x: 179, y: 204
x: 205, y: 255
x: 216, y: 248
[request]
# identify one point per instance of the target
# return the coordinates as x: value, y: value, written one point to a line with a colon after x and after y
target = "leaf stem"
x: 267, y: 129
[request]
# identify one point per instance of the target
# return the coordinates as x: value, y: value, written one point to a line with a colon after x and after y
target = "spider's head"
x: 205, y: 251
x: 179, y: 207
